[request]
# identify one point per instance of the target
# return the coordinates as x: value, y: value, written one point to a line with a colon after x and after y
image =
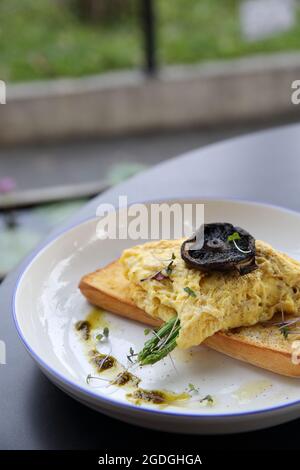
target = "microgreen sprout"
x: 163, y: 274
x: 208, y: 399
x: 285, y: 331
x: 286, y: 327
x: 240, y: 249
x: 193, y: 389
x: 169, y: 268
x: 90, y: 377
x: 131, y: 355
x: 103, y: 335
x: 236, y: 236
x: 158, y: 276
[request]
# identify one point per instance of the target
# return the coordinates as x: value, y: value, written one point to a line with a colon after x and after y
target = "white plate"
x: 47, y: 304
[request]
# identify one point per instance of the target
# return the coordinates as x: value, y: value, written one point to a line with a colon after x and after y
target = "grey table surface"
x: 34, y: 414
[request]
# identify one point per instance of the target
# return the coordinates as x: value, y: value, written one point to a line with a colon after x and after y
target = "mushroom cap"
x: 210, y: 250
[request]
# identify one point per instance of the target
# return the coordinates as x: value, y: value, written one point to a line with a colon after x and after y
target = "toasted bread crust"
x: 255, y: 354
x: 108, y: 288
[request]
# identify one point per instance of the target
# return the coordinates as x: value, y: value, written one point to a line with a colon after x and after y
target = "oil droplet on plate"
x: 97, y: 318
x: 251, y: 390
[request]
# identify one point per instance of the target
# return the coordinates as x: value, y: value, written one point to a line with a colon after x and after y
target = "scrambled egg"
x: 210, y: 302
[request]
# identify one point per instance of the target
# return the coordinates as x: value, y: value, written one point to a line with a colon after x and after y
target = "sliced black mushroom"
x: 220, y: 247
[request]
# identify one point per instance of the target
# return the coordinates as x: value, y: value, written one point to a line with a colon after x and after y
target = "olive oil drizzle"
x: 107, y: 363
x: 156, y: 397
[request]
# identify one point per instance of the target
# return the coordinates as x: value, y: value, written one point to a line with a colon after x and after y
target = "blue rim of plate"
x: 50, y: 371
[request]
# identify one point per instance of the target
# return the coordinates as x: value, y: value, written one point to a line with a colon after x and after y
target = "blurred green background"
x: 42, y: 39
x: 45, y: 39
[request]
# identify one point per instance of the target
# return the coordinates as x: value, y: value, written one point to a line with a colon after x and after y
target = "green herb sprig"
x: 236, y: 236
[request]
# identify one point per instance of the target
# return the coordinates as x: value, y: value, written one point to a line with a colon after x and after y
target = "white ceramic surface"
x: 47, y: 304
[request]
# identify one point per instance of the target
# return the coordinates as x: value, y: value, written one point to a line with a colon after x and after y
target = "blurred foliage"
x: 107, y: 10
x: 47, y: 38
x: 196, y: 30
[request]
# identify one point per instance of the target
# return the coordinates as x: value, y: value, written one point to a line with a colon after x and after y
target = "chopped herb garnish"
x: 147, y: 331
x: 189, y: 291
x: 209, y: 399
x: 99, y: 337
x: 234, y: 236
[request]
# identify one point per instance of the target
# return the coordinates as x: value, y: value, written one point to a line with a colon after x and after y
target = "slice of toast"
x: 260, y: 345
